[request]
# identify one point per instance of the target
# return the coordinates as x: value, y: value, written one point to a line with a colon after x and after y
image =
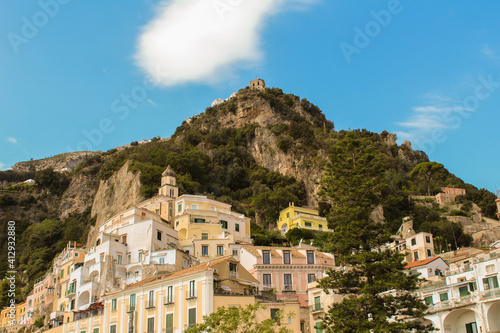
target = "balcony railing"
x: 313, y: 309
x: 490, y: 294
x: 191, y: 294
x: 459, y: 270
x: 455, y: 302
x: 289, y: 287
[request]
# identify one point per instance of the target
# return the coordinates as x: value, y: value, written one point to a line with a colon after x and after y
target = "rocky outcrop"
x: 79, y: 195
x: 61, y: 162
x: 119, y: 192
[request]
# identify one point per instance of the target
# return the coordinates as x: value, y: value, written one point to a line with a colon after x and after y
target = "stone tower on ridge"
x: 258, y: 84
x: 168, y: 186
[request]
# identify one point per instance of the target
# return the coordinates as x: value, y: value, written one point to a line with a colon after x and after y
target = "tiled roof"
x: 183, y: 272
x: 421, y: 262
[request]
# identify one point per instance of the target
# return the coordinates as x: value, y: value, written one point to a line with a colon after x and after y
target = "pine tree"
x: 378, y: 293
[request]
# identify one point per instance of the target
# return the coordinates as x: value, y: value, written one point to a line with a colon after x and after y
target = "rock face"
x: 61, y: 162
x: 117, y: 193
x: 79, y: 195
x: 264, y: 148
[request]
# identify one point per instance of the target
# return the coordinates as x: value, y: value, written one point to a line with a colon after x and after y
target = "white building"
x: 467, y: 299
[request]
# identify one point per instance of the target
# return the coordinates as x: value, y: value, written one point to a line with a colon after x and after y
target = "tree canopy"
x: 239, y: 320
x: 378, y: 293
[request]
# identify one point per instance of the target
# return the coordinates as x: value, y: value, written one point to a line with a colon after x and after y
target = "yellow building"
x: 208, y: 227
x: 171, y: 303
x: 13, y: 317
x: 299, y: 217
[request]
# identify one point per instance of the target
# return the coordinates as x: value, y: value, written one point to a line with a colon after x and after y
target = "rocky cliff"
x: 61, y: 162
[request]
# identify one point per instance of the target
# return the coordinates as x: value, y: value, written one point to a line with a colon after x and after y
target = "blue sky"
x: 77, y: 75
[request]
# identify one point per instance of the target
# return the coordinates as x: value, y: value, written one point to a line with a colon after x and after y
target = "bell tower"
x: 168, y: 184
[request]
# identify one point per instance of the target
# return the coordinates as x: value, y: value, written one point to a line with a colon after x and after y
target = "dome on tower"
x: 168, y: 172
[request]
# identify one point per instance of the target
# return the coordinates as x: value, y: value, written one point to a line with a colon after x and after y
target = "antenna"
x: 497, y: 192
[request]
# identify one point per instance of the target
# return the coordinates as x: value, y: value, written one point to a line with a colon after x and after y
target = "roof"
x: 168, y: 172
x: 421, y: 262
x: 187, y: 271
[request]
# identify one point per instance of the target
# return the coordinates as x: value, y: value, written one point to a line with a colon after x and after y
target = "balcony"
x: 70, y: 292
x: 489, y: 294
x: 289, y: 288
x: 313, y: 309
x: 472, y: 298
x: 459, y: 270
x: 191, y: 294
x: 169, y: 300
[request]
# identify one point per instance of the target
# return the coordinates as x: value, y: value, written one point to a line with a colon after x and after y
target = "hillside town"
x: 165, y: 263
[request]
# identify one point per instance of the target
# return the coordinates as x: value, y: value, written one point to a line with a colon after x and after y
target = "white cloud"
x: 11, y: 140
x: 204, y: 40
x: 2, y: 166
x: 487, y: 51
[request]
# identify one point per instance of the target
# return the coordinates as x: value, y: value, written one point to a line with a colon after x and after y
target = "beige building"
x: 171, y: 303
x: 415, y: 246
x: 498, y: 207
x: 207, y: 228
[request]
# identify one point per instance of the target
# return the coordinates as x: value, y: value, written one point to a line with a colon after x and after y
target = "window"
x: 317, y: 303
x: 169, y: 325
x: 157, y: 211
x: 308, y: 224
x: 311, y: 278
x: 224, y: 224
x: 464, y: 291
x: 490, y: 268
x: 151, y: 300
x: 287, y: 215
x: 192, y: 292
x: 321, y: 226
x: 179, y: 208
x: 490, y: 282
x: 233, y: 267
x: 112, y: 329
x: 428, y: 300
x: 236, y: 227
x: 287, y: 281
x: 428, y: 239
x: 429, y: 253
x: 318, y: 328
x: 413, y: 241
x: 220, y: 250
x: 129, y: 258
x: 151, y: 325
x: 72, y: 304
x: 170, y: 294
x: 443, y: 297
x: 192, y: 317
x: 286, y: 257
x: 204, y: 236
x: 140, y: 256
x: 158, y: 235
x: 310, y: 257
x: 197, y: 220
x: 266, y: 279
x: 113, y: 304
x: 119, y: 259
x: 415, y: 255
x: 266, y: 257
x: 274, y: 314
x: 162, y: 261
x: 194, y: 206
x: 62, y: 274
x: 471, y: 328
x: 235, y: 252
x: 204, y: 250
x: 132, y: 302
x: 96, y: 330
x: 472, y: 286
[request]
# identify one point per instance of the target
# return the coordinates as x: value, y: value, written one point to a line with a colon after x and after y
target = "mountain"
x: 258, y: 151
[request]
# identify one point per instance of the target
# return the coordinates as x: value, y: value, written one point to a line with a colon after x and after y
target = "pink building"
x: 288, y: 270
x: 453, y: 190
